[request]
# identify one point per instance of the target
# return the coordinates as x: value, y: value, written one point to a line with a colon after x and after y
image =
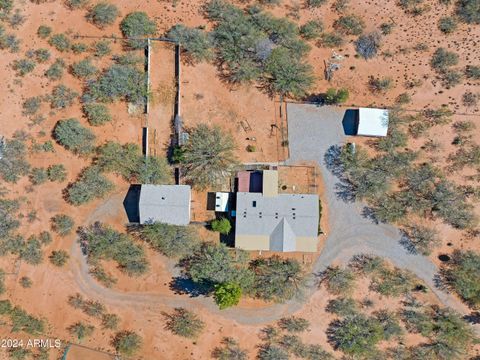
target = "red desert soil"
x: 204, y: 99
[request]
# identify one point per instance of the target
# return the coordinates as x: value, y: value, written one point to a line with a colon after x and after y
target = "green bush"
x: 443, y: 59
x: 208, y: 157
x: 101, y: 275
x: 31, y: 252
x: 42, y: 55
x: 223, y: 226
x: 311, y: 29
x: 31, y: 105
x: 59, y: 257
x: 469, y: 11
x: 271, y: 351
x: 338, y: 281
x: 16, y: 19
x: 230, y: 350
x: 336, y: 96
x: 227, y: 295
x: 60, y: 42
x: 57, y: 172
x: 447, y: 24
x: 76, y: 4
x: 387, y: 28
x: 81, y: 330
x: 23, y: 66
x: 470, y: 99
x: 118, y: 82
x: 137, y: 25
x: 62, y: 224
x: 79, y: 48
x: 103, y: 14
x: 127, y: 342
x: 74, y: 137
x: 349, y: 25
x: 331, y: 40
x: 294, y: 324
x: 185, y: 323
x: 97, y: 114
x: 102, y: 48
x: 473, y: 72
x: 6, y: 6
x: 451, y: 78
x: 13, y: 163
x: 342, y: 307
x: 110, y: 321
x: 8, y: 41
x: 22, y: 321
x: 194, y: 42
x: 26, y: 282
x: 83, y: 69
x: 315, y: 3
x: 422, y: 239
x: 44, y: 31
x: 55, y: 71
x: 62, y: 97
x: 128, y: 59
x: 171, y: 240
x: 90, y: 185
x: 380, y: 85
x: 101, y: 242
x: 38, y: 176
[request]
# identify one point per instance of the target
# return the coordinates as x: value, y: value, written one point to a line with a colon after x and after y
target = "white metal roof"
x: 169, y: 204
x: 372, y: 122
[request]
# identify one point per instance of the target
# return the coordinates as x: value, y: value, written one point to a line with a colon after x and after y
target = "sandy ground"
x: 245, y: 112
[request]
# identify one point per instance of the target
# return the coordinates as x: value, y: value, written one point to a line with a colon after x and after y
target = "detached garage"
x: 372, y: 122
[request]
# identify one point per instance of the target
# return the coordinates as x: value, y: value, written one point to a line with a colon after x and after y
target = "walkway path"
x: 312, y: 131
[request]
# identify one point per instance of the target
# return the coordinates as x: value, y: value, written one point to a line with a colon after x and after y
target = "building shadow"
x: 130, y: 203
x: 211, y: 199
x: 350, y: 122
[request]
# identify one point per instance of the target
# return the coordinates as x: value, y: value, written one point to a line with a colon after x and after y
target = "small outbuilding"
x: 372, y: 122
x: 168, y: 204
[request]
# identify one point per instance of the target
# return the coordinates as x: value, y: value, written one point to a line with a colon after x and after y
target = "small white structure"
x: 168, y: 204
x: 372, y: 122
x: 221, y: 201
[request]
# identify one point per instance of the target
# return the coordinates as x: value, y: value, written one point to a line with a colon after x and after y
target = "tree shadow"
x: 182, y: 285
x: 130, y: 203
x: 369, y: 213
x: 407, y: 243
x: 473, y: 317
x: 344, y: 189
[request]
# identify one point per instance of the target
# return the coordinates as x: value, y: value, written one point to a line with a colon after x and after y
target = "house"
x: 270, y: 221
x: 169, y: 204
x: 372, y: 122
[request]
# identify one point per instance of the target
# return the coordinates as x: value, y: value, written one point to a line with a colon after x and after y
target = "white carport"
x: 372, y: 122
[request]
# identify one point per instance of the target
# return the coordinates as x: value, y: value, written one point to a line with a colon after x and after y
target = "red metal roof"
x: 243, y: 181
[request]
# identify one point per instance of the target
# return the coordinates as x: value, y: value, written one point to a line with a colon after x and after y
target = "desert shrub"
x: 342, y: 307
x: 315, y: 3
x: 171, y: 240
x: 6, y: 6
x: 355, y: 335
x: 45, y: 238
x: 390, y: 324
x: 102, y: 48
x: 26, y: 282
x: 272, y: 351
x: 185, y: 323
x: 8, y: 41
x: 22, y: 321
x: 100, y: 242
x: 44, y: 31
x: 16, y: 19
x: 349, y: 25
x: 38, y: 176
x: 387, y: 28
x: 451, y: 78
x: 208, y: 157
x: 311, y: 29
x: 393, y: 282
x: 277, y: 279
x: 59, y: 257
x: 137, y: 25
x: 31, y: 105
x: 194, y: 42
x: 31, y: 252
x: 76, y: 301
x: 110, y: 321
x: 76, y: 4
x: 127, y: 342
x: 81, y: 330
x: 443, y: 59
x: 42, y: 55
x: 74, y: 137
x: 468, y: 11
x: 461, y: 275
x: 470, y: 99
x: 83, y: 69
x: 464, y: 126
x: 93, y: 308
x: 332, y: 40
x: 55, y: 71
x: 79, y: 48
x: 103, y: 14
x: 101, y: 275
x: 118, y: 82
x: 62, y: 224
x: 62, y: 97
x: 227, y: 295
x: 379, y: 85
x: 97, y: 114
x: 294, y: 324
x: 23, y: 66
x: 223, y: 226
x: 403, y: 99
x: 447, y: 24
x: 56, y: 172
x: 128, y: 59
x: 5, y: 307
x: 230, y: 350
x: 336, y: 96
x: 367, y: 45
x: 90, y: 185
x: 338, y: 280
x: 212, y: 264
x: 422, y: 239
x: 60, y: 42
x: 472, y: 72
x: 288, y: 78
x: 8, y: 222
